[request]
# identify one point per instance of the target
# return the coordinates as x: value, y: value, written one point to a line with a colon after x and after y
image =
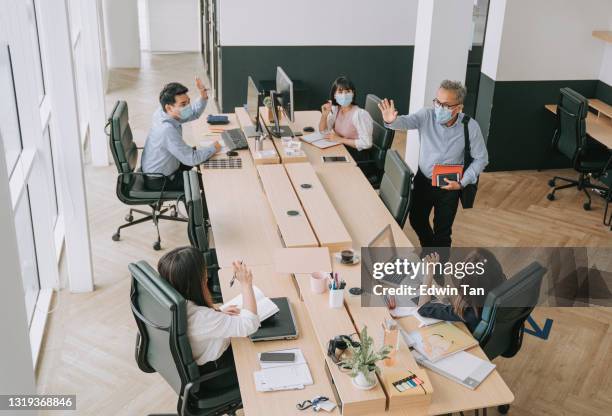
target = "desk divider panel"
x: 292, y: 223
x: 322, y: 214
x: 268, y: 146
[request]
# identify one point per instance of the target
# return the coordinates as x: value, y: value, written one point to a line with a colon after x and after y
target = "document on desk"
x: 317, y: 139
x: 462, y: 367
x: 402, y: 311
x: 265, y: 307
x: 287, y: 377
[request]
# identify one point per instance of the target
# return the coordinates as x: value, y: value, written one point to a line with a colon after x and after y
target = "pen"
x: 234, y: 277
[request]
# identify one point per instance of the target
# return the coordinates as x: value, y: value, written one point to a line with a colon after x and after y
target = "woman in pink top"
x: 344, y: 122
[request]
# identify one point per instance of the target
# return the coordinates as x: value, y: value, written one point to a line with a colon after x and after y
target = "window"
x: 27, y: 252
x: 9, y: 114
x: 51, y: 173
x: 37, y: 55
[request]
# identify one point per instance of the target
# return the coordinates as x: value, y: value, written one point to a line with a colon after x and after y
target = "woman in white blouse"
x: 208, y: 329
x: 344, y: 122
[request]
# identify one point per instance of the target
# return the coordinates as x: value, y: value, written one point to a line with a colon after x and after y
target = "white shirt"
x: 362, y: 122
x: 209, y: 331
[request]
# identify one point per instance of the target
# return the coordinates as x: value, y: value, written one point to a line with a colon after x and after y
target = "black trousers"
x: 444, y: 204
x: 173, y: 183
x: 228, y: 379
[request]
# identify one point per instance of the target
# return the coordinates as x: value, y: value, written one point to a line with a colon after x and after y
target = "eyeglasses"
x: 446, y: 106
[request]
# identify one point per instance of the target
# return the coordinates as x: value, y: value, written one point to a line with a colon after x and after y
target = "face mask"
x: 344, y: 99
x: 443, y: 115
x: 186, y: 112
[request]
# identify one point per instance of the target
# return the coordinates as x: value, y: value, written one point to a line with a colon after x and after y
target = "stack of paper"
x: 317, y: 139
x: 284, y: 376
x: 265, y: 307
x: 462, y: 367
x: 441, y: 340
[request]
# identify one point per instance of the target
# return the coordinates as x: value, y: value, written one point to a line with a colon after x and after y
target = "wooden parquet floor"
x: 89, y: 346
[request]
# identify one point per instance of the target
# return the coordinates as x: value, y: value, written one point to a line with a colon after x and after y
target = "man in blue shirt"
x: 165, y: 152
x: 442, y: 142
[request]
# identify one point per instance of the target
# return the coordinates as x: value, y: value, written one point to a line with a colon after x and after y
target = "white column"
x: 16, y: 368
x: 174, y: 26
x: 443, y: 36
x: 90, y: 33
x: 62, y: 91
x: 121, y: 33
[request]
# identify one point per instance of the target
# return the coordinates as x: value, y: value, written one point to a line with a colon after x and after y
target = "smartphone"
x: 329, y: 159
x: 450, y: 176
x: 298, y: 133
x: 277, y: 357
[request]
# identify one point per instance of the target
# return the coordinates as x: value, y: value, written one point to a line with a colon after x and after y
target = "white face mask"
x: 344, y: 98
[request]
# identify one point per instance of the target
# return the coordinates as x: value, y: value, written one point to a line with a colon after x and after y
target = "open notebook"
x: 284, y: 376
x: 317, y: 139
x: 265, y: 307
x: 439, y: 340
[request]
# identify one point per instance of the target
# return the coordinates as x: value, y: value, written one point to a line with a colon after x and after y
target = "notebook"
x: 450, y: 172
x: 462, y: 367
x: 441, y: 340
x: 265, y: 307
x: 317, y: 139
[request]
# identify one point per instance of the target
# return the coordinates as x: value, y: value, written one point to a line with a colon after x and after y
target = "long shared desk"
x: 248, y: 211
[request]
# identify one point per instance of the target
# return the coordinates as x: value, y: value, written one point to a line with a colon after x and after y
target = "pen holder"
x: 336, y: 298
x: 318, y: 281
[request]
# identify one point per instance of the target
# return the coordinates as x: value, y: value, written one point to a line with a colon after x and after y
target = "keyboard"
x: 234, y: 139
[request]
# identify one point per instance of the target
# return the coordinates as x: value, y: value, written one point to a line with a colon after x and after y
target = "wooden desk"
x: 246, y: 352
x: 295, y: 230
x: 598, y: 126
x: 322, y: 215
x: 237, y: 193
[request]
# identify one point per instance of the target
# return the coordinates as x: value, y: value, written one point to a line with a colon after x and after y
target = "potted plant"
x: 361, y: 361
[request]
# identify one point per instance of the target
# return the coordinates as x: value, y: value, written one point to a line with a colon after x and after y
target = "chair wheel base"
x: 587, y: 206
x: 503, y: 409
x: 550, y: 197
x: 157, y: 246
x: 129, y: 218
x: 551, y: 183
x: 116, y: 237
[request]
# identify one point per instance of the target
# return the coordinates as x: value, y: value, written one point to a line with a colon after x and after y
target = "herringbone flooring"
x: 89, y: 347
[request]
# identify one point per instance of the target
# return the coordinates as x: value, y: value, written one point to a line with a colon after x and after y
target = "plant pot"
x: 365, y: 382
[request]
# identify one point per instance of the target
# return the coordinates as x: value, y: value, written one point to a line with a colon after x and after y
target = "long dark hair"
x: 493, y: 277
x: 185, y: 269
x: 343, y: 83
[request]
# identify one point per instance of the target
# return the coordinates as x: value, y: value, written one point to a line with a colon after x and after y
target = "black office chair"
x: 382, y: 140
x: 198, y: 233
x: 396, y: 187
x: 131, y: 188
x: 606, y: 179
x: 506, y: 308
x: 570, y: 138
x: 162, y: 346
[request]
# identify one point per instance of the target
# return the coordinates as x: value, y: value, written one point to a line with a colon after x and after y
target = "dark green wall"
x: 382, y: 70
x: 518, y: 127
x: 604, y: 92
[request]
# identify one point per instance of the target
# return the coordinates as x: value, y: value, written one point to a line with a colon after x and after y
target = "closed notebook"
x: 265, y: 307
x: 450, y: 172
x: 440, y: 340
x: 462, y: 367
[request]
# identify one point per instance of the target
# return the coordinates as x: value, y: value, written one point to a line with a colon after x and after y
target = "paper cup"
x: 319, y: 281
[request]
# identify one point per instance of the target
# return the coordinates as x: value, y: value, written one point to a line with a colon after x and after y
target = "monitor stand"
x: 285, y: 131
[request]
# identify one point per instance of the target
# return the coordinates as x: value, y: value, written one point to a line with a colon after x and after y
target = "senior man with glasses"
x: 442, y: 143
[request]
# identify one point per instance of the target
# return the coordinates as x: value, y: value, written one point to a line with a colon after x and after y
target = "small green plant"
x: 267, y: 101
x: 363, y: 359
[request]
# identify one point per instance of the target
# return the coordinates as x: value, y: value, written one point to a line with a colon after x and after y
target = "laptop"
x: 279, y: 326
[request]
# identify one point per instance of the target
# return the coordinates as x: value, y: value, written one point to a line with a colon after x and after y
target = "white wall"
x: 605, y: 73
x: 122, y: 39
x: 545, y: 39
x: 174, y: 26
x: 317, y: 22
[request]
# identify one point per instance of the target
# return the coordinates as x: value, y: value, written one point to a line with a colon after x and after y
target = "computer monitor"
x: 252, y: 107
x: 284, y: 91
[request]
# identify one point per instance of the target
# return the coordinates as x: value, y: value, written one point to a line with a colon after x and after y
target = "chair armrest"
x: 366, y: 162
x: 159, y: 175
x: 199, y: 381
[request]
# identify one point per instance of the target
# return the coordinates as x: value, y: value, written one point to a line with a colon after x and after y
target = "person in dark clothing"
x: 464, y: 307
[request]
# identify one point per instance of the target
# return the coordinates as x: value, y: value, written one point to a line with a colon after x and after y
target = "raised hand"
x: 387, y: 108
x: 326, y: 108
x: 201, y: 88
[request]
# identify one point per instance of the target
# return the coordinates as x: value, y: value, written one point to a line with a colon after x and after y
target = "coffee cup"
x: 347, y: 256
x: 319, y: 281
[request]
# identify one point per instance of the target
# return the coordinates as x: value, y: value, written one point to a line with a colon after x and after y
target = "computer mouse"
x: 309, y: 129
x: 232, y: 153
